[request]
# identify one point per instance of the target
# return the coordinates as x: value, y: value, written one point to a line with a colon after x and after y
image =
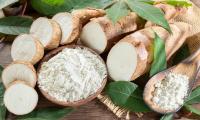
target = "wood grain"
x: 94, y: 110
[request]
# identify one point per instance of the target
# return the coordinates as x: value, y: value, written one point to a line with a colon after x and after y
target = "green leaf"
x: 181, y: 54
x: 46, y: 114
x: 5, y: 3
x: 192, y: 109
x: 167, y: 117
x: 160, y: 61
x: 126, y: 94
x: 149, y: 12
x: 194, y: 97
x: 51, y: 7
x: 178, y: 3
x: 54, y: 2
x: 15, y: 25
x: 2, y: 106
x: 117, y: 11
x: 120, y: 91
x: 135, y: 103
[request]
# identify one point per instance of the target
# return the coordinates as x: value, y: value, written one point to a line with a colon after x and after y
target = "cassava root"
x: 132, y: 56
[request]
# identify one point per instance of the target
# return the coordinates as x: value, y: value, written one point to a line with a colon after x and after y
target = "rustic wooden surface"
x: 94, y: 110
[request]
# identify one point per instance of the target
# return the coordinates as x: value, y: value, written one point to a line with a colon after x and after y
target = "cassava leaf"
x: 192, y: 109
x: 120, y: 91
x: 181, y: 54
x: 126, y: 94
x: 2, y: 106
x: 179, y: 3
x: 149, y: 12
x: 135, y: 102
x: 15, y: 25
x: 51, y: 7
x: 194, y: 97
x: 5, y: 3
x: 167, y: 117
x: 159, y: 61
x: 54, y: 2
x: 46, y: 114
x: 117, y: 11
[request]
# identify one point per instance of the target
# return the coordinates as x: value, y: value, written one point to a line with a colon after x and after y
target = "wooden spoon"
x: 189, y: 67
x: 79, y: 102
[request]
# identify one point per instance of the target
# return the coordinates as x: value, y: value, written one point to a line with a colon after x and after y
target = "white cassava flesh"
x: 69, y: 26
x: 94, y: 37
x: 115, y: 64
x: 132, y: 56
x: 100, y: 34
x: 47, y: 31
x: 27, y: 48
x: 20, y: 99
x: 71, y: 23
x: 19, y: 71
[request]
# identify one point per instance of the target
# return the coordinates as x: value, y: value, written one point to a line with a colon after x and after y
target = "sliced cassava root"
x: 47, y: 31
x: 19, y: 70
x: 20, y: 98
x: 100, y: 33
x: 27, y: 48
x: 71, y: 24
x: 132, y: 56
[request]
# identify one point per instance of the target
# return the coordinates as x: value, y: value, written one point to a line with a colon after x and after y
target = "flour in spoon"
x: 72, y: 75
x: 169, y: 93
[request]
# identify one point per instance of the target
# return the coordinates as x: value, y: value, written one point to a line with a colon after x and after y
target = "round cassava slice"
x: 69, y: 26
x: 19, y: 70
x: 20, y: 98
x: 27, y: 48
x: 47, y: 31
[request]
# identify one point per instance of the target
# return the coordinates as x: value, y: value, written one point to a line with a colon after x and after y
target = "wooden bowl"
x: 75, y: 103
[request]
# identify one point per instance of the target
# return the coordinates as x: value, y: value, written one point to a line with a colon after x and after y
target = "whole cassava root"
x: 71, y: 23
x: 27, y: 48
x: 100, y: 34
x: 19, y: 70
x: 20, y: 98
x: 132, y: 56
x: 47, y: 31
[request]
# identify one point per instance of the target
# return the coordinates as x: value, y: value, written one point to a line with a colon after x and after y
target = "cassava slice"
x: 71, y: 24
x: 1, y: 13
x: 132, y: 56
x: 20, y: 99
x: 47, y: 31
x: 100, y: 34
x: 70, y: 27
x: 19, y: 70
x: 27, y: 48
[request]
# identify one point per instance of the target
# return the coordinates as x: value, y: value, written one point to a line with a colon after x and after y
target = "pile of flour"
x: 72, y: 74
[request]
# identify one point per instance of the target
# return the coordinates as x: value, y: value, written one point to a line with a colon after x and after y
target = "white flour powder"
x: 72, y: 74
x: 169, y: 93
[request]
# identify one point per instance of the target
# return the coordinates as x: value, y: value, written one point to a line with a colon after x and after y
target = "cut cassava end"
x: 47, y: 31
x: 121, y: 64
x: 121, y: 61
x: 20, y: 99
x: 100, y: 34
x: 71, y: 23
x: 70, y: 27
x: 27, y: 48
x: 19, y: 71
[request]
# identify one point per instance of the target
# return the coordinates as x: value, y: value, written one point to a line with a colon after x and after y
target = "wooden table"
x: 94, y: 110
